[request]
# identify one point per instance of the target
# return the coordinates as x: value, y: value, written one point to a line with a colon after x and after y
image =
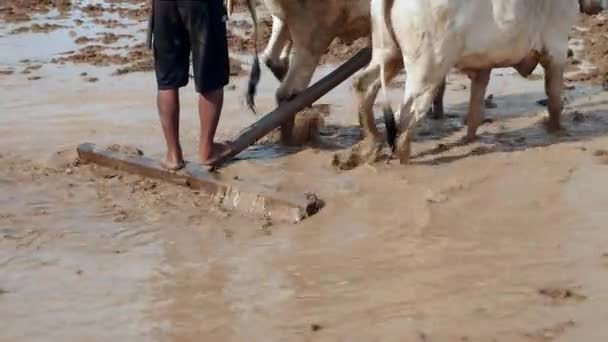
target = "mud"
x: 139, y: 13
x: 107, y: 23
x: 21, y: 10
x: 37, y: 28
x: 595, y: 41
x: 308, y: 126
x: 106, y: 38
x: 561, y: 294
x: 240, y: 35
x: 93, y: 55
x: 137, y: 58
x: 602, y: 156
x: 125, y: 150
x: 30, y: 68
x: 502, y: 239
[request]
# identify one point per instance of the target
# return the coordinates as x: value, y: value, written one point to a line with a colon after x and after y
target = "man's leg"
x: 210, y: 109
x: 171, y: 59
x: 211, y: 66
x: 168, y: 108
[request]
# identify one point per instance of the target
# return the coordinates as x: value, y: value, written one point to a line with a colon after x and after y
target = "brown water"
x: 500, y: 240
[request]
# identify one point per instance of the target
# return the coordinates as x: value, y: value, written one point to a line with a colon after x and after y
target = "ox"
x: 301, y: 33
x: 429, y: 37
x: 296, y: 45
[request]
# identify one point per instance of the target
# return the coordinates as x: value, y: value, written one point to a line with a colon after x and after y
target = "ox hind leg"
x: 306, y: 51
x: 367, y: 86
x: 436, y: 112
x: 423, y: 79
x: 479, y: 84
x: 554, y: 80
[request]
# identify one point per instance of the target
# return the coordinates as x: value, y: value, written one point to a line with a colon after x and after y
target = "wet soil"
x: 594, y: 33
x: 502, y: 239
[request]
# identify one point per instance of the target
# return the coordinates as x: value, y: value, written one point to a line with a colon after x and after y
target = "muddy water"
x: 500, y: 240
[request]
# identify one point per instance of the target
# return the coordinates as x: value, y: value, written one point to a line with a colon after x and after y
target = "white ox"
x: 429, y: 37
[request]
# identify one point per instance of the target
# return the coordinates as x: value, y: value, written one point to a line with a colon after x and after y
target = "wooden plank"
x: 246, y: 199
x: 287, y: 110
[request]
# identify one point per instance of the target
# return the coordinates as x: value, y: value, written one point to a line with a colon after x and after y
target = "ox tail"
x: 230, y: 7
x: 387, y: 111
x: 254, y: 76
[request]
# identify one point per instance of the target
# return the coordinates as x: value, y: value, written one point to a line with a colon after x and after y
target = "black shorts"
x: 196, y: 27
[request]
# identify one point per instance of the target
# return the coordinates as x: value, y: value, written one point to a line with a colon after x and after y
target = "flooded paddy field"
x: 503, y: 239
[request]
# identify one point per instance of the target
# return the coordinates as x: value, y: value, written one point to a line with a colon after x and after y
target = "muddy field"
x: 503, y: 239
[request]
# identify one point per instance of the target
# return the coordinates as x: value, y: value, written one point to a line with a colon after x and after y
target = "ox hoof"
x: 470, y: 138
x: 404, y: 150
x: 279, y: 71
x: 554, y: 127
x: 367, y: 151
x: 435, y: 114
x: 285, y: 97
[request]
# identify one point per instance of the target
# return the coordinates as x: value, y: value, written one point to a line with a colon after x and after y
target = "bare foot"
x: 174, y: 160
x: 218, y: 151
x: 172, y: 165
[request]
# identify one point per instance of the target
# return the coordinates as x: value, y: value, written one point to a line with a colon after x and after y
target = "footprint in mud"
x: 308, y: 125
x: 551, y: 333
x: 125, y: 150
x: 364, y: 152
x: 602, y: 156
x: 561, y: 295
x: 62, y: 160
x: 347, y: 161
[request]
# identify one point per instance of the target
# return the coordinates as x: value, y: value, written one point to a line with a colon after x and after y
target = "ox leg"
x: 436, y: 112
x: 423, y: 81
x: 554, y: 80
x: 272, y: 55
x: 367, y: 87
x: 304, y: 58
x: 479, y: 84
x: 284, y: 59
x: 362, y: 86
x: 303, y: 65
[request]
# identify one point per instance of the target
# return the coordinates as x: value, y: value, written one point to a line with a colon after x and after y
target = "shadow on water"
x: 501, y: 110
x: 331, y: 138
x: 578, y: 126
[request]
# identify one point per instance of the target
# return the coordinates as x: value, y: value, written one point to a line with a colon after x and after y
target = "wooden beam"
x: 287, y: 110
x: 238, y: 197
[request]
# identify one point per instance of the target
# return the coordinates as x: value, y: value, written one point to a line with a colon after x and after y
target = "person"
x: 198, y: 28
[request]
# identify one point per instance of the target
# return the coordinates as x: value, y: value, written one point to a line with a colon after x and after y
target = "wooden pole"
x: 287, y: 110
